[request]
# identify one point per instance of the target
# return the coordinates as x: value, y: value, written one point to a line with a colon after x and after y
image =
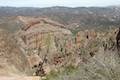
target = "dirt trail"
x: 20, y: 78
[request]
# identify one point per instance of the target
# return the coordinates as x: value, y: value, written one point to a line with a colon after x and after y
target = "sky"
x: 67, y: 3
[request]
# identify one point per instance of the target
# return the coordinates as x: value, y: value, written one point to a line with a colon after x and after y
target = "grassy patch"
x: 66, y: 71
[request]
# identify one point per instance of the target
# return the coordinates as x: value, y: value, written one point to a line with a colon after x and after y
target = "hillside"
x: 13, y: 61
x: 60, y: 43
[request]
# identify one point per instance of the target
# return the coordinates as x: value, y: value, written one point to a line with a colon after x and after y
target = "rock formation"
x: 42, y: 36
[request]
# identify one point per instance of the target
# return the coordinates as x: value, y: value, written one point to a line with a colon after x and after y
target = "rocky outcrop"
x: 83, y: 37
x: 41, y: 36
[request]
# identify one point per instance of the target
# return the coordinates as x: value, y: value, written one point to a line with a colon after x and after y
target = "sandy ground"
x: 20, y: 78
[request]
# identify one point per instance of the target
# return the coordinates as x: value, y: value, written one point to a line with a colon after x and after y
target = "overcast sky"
x: 49, y: 3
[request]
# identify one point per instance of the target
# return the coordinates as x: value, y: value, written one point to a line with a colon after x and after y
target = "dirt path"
x: 20, y: 78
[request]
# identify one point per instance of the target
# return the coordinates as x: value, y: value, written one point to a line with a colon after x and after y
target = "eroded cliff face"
x: 42, y: 37
x: 41, y: 32
x: 90, y: 41
x: 12, y: 60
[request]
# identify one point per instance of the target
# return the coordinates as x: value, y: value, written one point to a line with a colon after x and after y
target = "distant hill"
x: 73, y: 18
